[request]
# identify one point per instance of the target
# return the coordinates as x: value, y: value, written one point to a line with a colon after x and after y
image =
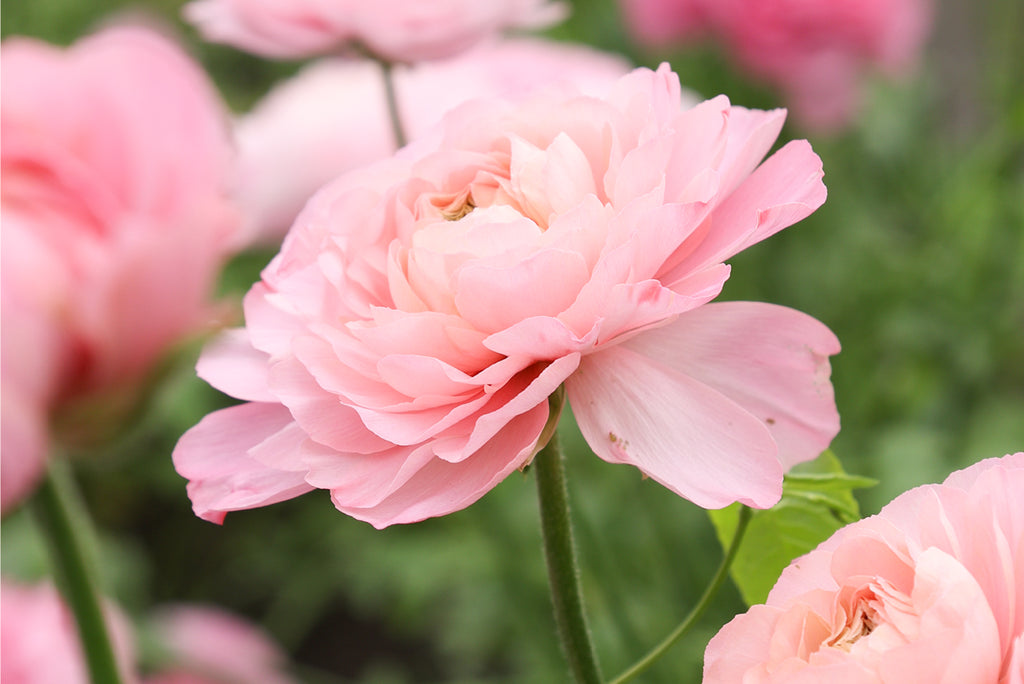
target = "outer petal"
x: 213, y: 457
x: 771, y: 360
x: 441, y: 487
x: 639, y: 410
x: 231, y: 364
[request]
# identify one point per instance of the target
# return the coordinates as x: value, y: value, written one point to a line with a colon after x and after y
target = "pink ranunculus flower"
x: 401, y: 349
x: 333, y: 116
x: 206, y: 645
x: 39, y: 639
x: 930, y: 590
x: 115, y: 156
x: 390, y: 30
x: 815, y: 52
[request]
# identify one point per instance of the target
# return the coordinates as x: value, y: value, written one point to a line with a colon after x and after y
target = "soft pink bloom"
x: 39, y: 639
x: 209, y: 646
x: 391, y: 30
x: 930, y: 590
x: 815, y: 52
x: 333, y: 116
x: 114, y: 156
x: 401, y: 349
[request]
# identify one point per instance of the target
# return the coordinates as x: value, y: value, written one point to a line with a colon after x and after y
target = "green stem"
x: 560, y: 554
x: 392, y: 98
x: 698, y: 610
x: 56, y: 510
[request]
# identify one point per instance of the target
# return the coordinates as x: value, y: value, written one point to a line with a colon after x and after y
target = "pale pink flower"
x: 401, y: 349
x: 332, y: 117
x: 816, y: 52
x: 206, y: 645
x: 390, y: 30
x: 114, y: 156
x: 39, y: 639
x: 930, y: 590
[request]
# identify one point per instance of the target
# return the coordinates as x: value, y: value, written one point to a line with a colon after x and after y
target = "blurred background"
x: 916, y: 261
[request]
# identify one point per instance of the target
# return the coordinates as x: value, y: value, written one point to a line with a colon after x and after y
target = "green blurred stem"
x: 698, y: 610
x: 560, y: 554
x: 397, y: 130
x: 63, y: 520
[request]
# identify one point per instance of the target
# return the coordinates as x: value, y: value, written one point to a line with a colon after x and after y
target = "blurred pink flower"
x: 333, y: 116
x: 815, y: 52
x: 390, y: 30
x: 401, y: 348
x: 209, y: 646
x: 930, y: 590
x: 39, y: 638
x: 114, y: 156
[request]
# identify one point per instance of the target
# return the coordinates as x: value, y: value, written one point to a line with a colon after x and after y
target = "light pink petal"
x: 771, y: 360
x: 214, y: 457
x: 231, y: 364
x: 541, y: 337
x: 639, y: 410
x: 786, y: 188
x: 23, y: 449
x: 741, y: 645
x: 492, y: 299
x: 441, y: 487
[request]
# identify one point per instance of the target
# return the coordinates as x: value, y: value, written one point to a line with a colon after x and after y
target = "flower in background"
x: 929, y: 590
x: 390, y: 30
x: 205, y: 645
x: 815, y: 52
x: 401, y: 348
x: 39, y: 638
x: 115, y: 156
x: 333, y: 116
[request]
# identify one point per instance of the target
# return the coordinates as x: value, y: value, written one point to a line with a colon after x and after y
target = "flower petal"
x: 213, y: 456
x: 639, y: 410
x: 771, y: 360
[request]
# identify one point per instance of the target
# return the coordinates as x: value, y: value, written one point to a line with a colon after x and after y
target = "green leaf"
x: 817, y: 499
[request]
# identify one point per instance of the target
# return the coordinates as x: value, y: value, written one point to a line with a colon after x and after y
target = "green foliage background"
x: 916, y: 262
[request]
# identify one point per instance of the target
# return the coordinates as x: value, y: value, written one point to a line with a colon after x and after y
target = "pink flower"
x: 391, y: 30
x: 401, y: 349
x: 209, y: 646
x: 929, y: 590
x: 333, y: 116
x: 39, y: 638
x: 114, y: 226
x: 816, y: 52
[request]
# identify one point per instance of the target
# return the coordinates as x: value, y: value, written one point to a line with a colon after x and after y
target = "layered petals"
x: 403, y: 346
x: 926, y: 591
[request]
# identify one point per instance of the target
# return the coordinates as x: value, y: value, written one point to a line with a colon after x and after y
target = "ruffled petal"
x: 214, y: 457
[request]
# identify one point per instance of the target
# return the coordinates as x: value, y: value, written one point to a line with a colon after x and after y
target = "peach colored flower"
x: 207, y: 645
x: 39, y: 639
x: 114, y: 156
x: 390, y: 30
x: 333, y: 116
x: 401, y: 348
x: 930, y: 590
x: 815, y: 52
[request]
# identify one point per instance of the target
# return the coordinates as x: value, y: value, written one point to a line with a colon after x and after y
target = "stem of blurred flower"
x: 560, y: 554
x: 698, y: 610
x: 62, y: 516
x: 397, y: 130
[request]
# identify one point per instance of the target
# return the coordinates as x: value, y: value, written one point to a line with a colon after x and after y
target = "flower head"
x: 390, y: 30
x: 815, y: 52
x: 115, y: 223
x: 401, y: 348
x: 929, y: 590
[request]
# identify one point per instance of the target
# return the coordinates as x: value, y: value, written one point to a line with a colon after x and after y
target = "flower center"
x: 862, y: 622
x: 460, y: 205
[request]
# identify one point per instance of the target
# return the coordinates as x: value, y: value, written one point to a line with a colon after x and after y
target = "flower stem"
x: 62, y: 518
x: 392, y: 98
x: 698, y: 610
x: 560, y: 554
